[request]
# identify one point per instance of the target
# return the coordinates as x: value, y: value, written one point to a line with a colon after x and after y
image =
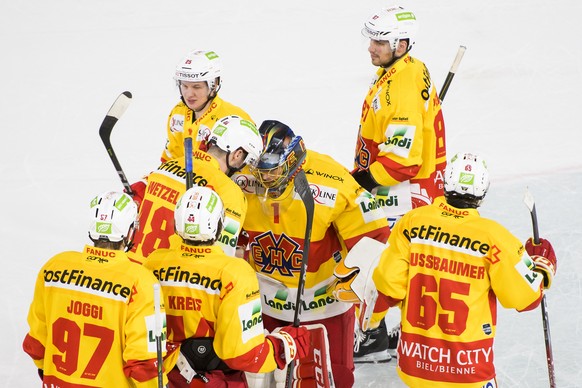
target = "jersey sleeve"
x: 174, y: 147
x: 35, y: 339
x: 240, y: 338
x: 359, y: 215
x: 140, y: 354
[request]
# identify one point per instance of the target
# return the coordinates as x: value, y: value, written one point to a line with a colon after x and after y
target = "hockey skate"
x: 372, y: 346
x: 393, y: 336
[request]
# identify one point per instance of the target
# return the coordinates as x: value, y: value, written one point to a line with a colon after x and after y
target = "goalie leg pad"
x: 313, y: 370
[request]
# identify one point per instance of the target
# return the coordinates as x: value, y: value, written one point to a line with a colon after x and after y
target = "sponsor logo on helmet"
x: 211, y: 55
x: 466, y: 179
x: 103, y: 228
x: 219, y: 130
x: 191, y: 229
x: 405, y: 16
x: 122, y: 202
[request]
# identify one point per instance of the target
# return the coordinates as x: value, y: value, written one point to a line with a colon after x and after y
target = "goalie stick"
x: 452, y: 72
x: 115, y: 112
x: 302, y: 188
x: 530, y: 203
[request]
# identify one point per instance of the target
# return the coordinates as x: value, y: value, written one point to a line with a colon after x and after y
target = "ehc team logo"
x: 276, y: 254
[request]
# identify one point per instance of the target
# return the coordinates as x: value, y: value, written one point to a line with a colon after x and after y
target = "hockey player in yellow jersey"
x: 198, y: 76
x: 400, y: 150
x: 215, y: 329
x: 92, y: 317
x: 233, y: 143
x: 344, y: 213
x: 447, y: 267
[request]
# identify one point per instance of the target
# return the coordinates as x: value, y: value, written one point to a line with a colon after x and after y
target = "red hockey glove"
x: 138, y: 189
x: 544, y: 258
x: 289, y: 343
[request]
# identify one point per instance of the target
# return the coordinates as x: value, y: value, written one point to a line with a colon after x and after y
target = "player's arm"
x: 35, y: 339
x: 140, y: 346
x: 240, y: 339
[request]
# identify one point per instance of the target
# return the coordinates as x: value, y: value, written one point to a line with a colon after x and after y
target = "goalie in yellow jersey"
x: 92, y: 317
x: 214, y: 315
x: 446, y: 267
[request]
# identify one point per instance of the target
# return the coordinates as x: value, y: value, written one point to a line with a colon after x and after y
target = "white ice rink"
x: 515, y: 100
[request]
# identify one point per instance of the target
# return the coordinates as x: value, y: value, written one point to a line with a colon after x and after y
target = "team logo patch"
x: 272, y: 254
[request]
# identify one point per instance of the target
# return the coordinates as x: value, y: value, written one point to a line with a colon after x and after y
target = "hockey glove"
x: 544, y: 258
x: 365, y: 179
x: 138, y: 189
x: 289, y: 343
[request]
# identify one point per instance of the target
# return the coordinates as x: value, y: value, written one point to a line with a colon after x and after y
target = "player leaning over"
x: 198, y: 76
x: 92, y: 314
x: 448, y: 266
x: 233, y: 143
x: 215, y: 329
x: 400, y: 150
x: 344, y: 213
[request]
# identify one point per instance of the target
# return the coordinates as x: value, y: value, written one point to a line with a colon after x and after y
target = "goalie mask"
x: 113, y: 218
x: 466, y: 181
x: 282, y: 158
x: 199, y: 215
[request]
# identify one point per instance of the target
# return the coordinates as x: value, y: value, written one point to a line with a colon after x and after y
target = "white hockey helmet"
x: 198, y: 66
x: 199, y: 214
x: 392, y: 24
x: 233, y: 132
x: 113, y: 217
x: 466, y: 180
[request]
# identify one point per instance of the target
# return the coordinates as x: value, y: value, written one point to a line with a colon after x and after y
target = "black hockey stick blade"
x: 452, y: 72
x: 113, y: 114
x: 531, y: 205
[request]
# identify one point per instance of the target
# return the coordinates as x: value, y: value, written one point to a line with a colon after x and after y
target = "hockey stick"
x: 114, y: 113
x: 529, y: 202
x: 302, y: 188
x: 158, y: 334
x: 452, y: 72
x: 188, y: 161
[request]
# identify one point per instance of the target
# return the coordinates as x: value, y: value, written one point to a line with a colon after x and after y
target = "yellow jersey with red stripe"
x: 182, y: 121
x: 448, y: 267
x: 344, y: 213
x: 210, y: 294
x: 92, y: 321
x: 401, y: 138
x: 165, y: 186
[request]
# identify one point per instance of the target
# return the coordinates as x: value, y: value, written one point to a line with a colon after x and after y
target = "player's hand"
x: 544, y: 258
x: 365, y: 179
x: 138, y: 189
x: 290, y: 343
